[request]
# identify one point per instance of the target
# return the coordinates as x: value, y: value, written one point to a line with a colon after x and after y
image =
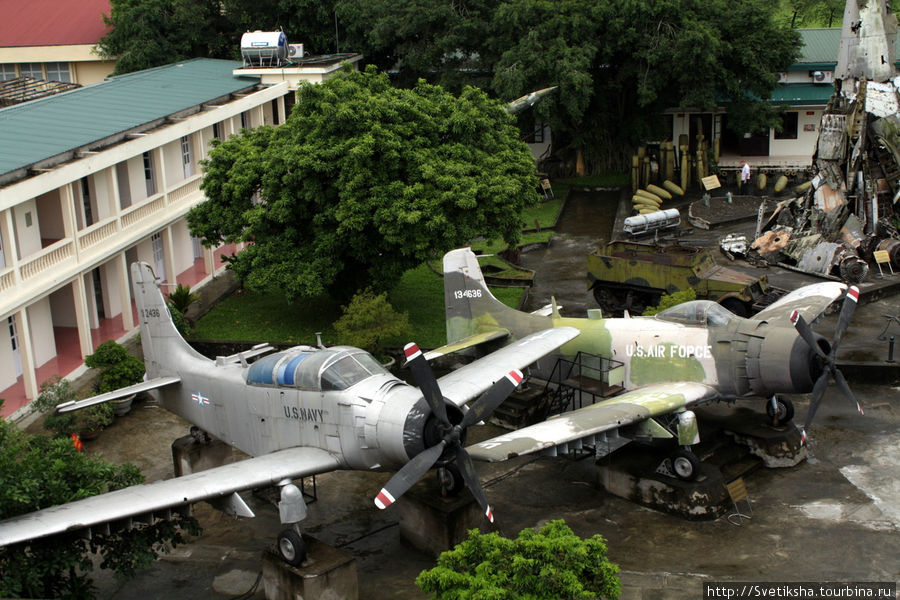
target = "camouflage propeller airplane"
x: 683, y: 357
x: 299, y: 412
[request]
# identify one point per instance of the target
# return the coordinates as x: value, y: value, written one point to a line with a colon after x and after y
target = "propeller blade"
x: 817, y: 393
x: 806, y: 333
x: 847, y: 309
x: 845, y: 389
x: 471, y: 478
x: 406, y: 477
x: 491, y: 399
x: 428, y: 384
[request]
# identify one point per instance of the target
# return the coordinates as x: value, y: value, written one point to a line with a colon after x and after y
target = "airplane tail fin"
x: 470, y: 307
x: 163, y: 346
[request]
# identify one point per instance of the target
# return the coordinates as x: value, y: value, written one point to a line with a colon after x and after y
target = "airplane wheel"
x: 686, y: 465
x: 291, y: 547
x: 783, y: 411
x: 451, y: 479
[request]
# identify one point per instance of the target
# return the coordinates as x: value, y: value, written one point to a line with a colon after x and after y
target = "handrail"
x: 47, y: 258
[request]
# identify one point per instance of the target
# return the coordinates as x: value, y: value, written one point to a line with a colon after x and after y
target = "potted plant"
x: 87, y: 422
x: 118, y: 369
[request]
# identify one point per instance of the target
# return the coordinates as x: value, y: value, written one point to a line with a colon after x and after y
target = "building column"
x: 81, y: 316
x: 26, y: 353
x: 67, y: 204
x: 124, y: 292
x: 169, y: 256
x: 115, y: 207
x: 282, y: 116
x: 209, y: 260
x: 8, y: 235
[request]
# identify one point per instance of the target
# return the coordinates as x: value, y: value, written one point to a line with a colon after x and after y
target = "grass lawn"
x: 256, y: 317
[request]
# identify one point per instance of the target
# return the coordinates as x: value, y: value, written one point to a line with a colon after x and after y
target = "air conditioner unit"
x: 295, y: 50
x: 822, y: 76
x: 781, y: 77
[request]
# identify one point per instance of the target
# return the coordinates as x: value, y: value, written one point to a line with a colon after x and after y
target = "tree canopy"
x: 39, y: 471
x: 618, y: 63
x: 551, y: 563
x: 362, y: 182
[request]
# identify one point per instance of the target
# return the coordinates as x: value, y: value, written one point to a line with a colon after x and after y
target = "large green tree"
x: 39, y: 471
x: 150, y: 33
x: 551, y: 563
x: 362, y: 182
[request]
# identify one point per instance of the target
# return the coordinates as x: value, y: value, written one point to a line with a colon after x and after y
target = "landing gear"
x: 780, y: 410
x: 451, y: 479
x: 291, y: 547
x: 686, y: 465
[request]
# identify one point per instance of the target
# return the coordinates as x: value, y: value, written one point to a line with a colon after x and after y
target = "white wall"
x: 28, y: 239
x: 806, y: 140
x: 136, y: 184
x: 40, y: 318
x: 50, y: 212
x: 109, y: 278
x: 62, y: 303
x: 183, y: 246
x: 7, y: 370
x: 172, y: 163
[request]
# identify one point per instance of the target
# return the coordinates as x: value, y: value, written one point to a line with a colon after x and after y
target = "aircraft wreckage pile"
x: 849, y: 209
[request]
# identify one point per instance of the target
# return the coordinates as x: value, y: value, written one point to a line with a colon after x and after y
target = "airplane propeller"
x: 452, y: 435
x: 850, y: 301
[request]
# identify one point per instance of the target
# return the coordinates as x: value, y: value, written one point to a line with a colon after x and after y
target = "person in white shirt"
x: 745, y: 177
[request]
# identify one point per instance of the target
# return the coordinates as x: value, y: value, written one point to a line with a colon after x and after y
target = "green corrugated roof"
x: 801, y: 94
x: 820, y: 49
x: 820, y: 46
x: 38, y: 130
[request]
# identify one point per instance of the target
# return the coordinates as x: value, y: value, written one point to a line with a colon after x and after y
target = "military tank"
x: 631, y: 276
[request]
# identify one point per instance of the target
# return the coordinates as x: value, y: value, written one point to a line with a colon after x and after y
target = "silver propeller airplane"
x: 681, y: 358
x: 297, y: 413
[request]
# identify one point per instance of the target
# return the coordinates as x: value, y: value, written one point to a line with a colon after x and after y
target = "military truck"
x: 633, y: 275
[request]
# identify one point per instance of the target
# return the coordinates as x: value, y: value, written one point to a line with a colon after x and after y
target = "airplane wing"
x: 124, y: 392
x: 469, y: 381
x: 810, y: 301
x: 631, y: 407
x: 472, y: 340
x: 160, y: 496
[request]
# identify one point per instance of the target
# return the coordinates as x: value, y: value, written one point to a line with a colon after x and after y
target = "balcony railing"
x: 97, y: 232
x: 94, y: 237
x: 7, y: 279
x: 48, y: 258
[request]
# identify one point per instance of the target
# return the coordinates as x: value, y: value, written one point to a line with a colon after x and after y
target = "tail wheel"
x: 291, y: 547
x: 686, y: 465
x: 780, y: 410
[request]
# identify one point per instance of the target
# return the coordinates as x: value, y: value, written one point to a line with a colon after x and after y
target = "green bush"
x: 368, y: 320
x: 182, y: 297
x: 57, y: 390
x: 670, y: 300
x: 118, y: 368
x: 551, y: 563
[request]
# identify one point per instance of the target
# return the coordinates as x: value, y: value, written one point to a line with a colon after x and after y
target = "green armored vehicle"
x: 632, y: 276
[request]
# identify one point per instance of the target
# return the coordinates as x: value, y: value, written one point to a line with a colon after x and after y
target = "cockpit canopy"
x: 697, y: 312
x: 335, y: 368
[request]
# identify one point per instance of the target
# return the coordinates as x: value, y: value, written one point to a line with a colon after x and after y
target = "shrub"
x: 118, y: 368
x: 670, y: 300
x: 551, y: 563
x: 369, y: 320
x: 182, y: 297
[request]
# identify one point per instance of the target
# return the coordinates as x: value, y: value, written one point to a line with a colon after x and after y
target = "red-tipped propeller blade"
x: 851, y: 298
x: 406, y: 477
x: 428, y: 384
x: 471, y: 478
x: 491, y: 399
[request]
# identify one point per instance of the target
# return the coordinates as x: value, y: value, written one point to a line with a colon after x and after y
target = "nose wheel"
x: 780, y: 410
x: 451, y: 480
